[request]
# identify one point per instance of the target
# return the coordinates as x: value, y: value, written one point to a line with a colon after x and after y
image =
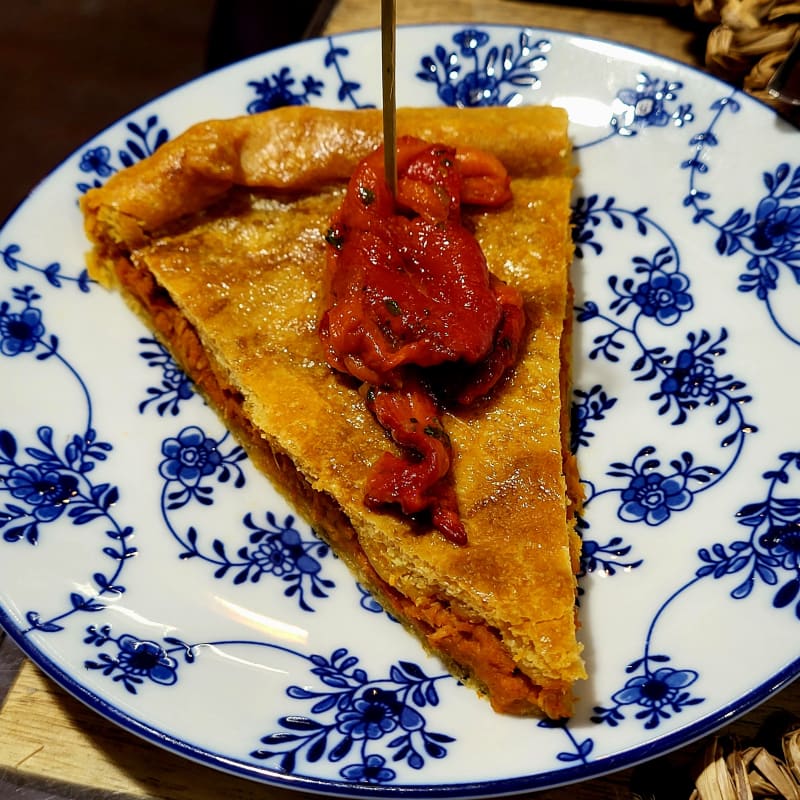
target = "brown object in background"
x: 750, y: 40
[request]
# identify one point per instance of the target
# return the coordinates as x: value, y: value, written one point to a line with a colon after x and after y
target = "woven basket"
x: 749, y: 41
x: 731, y: 770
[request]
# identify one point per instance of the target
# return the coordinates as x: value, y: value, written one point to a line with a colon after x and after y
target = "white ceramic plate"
x: 180, y: 597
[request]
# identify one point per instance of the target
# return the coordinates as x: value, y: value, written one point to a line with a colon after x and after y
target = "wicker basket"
x: 749, y: 41
x: 731, y: 770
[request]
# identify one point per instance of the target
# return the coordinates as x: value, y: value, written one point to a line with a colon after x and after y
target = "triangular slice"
x: 218, y: 242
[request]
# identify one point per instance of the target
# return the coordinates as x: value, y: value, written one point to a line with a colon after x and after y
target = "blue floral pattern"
x: 279, y: 550
x: 772, y: 551
x: 364, y: 719
x: 360, y: 713
x: 653, y: 102
x: 658, y: 294
x: 278, y: 90
x: 483, y: 74
x: 678, y: 386
x: 45, y: 484
x: 768, y: 236
x: 658, y: 693
x: 174, y: 388
x: 191, y: 461
x: 100, y: 162
x: 135, y: 661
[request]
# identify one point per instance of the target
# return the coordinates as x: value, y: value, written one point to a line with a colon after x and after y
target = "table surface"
x: 79, y: 79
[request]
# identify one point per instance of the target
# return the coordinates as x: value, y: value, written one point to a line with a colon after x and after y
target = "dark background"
x: 70, y: 68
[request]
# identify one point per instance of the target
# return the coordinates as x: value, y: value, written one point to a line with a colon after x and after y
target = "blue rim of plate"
x: 494, y: 788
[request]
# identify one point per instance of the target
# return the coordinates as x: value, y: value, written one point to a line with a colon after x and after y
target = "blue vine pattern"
x: 605, y: 558
x: 660, y: 293
x: 353, y: 715
x: 773, y: 545
x: 346, y: 91
x: 191, y: 461
x: 770, y: 554
x: 174, y: 388
x: 44, y: 484
x: 51, y: 272
x: 587, y: 406
x: 581, y: 750
x: 362, y: 713
x: 651, y: 103
x: 768, y: 236
x: 278, y: 550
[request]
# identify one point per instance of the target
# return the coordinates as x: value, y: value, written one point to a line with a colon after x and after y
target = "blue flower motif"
x: 655, y: 690
x: 769, y: 236
x: 190, y: 457
x: 470, y: 39
x: 647, y: 102
x: 142, y: 141
x: 97, y: 160
x: 47, y: 491
x: 362, y: 711
x: 175, y: 377
x: 371, y: 771
x: 691, y: 377
x: 277, y: 91
x: 652, y: 497
x: 773, y: 546
x: 777, y: 226
x: 658, y: 693
x: 285, y: 555
x: 136, y: 660
x: 371, y: 716
x: 499, y: 68
x: 782, y: 542
x: 477, y: 89
x: 277, y: 550
x: 146, y: 659
x: 664, y: 296
x: 19, y: 333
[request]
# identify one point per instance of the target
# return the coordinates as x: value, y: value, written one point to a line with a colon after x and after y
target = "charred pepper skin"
x: 414, y: 313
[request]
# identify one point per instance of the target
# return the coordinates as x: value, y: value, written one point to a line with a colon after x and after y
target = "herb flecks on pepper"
x: 415, y: 314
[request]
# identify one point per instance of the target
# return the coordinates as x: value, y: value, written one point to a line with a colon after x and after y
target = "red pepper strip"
x: 417, y: 480
x: 505, y: 351
x: 484, y: 180
x: 409, y: 290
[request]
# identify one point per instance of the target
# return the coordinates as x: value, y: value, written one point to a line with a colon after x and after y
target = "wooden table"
x: 51, y: 743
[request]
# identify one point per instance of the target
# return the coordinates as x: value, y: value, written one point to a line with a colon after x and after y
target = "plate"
x: 150, y: 571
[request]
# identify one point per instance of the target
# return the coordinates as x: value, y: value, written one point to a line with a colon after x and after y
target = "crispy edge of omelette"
x: 302, y: 150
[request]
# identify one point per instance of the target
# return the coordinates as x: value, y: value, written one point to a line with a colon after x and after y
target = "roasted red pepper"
x: 415, y: 314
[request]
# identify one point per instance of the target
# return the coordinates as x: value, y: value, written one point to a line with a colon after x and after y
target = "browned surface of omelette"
x: 219, y: 243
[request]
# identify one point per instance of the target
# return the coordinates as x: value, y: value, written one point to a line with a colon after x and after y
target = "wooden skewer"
x: 388, y: 63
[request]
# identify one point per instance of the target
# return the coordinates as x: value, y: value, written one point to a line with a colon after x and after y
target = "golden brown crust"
x: 300, y: 148
x: 245, y: 267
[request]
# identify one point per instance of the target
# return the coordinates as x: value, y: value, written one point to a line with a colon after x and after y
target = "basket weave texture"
x: 732, y: 770
x: 749, y: 40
